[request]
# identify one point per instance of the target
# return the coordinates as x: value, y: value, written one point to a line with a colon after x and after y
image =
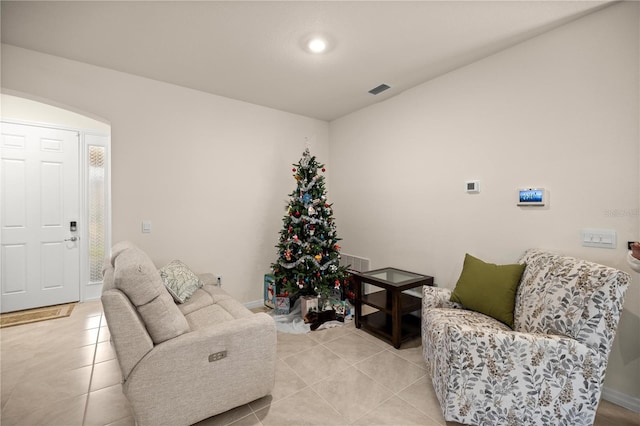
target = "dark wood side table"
x: 392, y: 320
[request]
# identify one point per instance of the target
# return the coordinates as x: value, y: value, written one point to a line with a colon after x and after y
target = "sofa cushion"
x: 207, y: 316
x: 181, y: 282
x: 221, y: 308
x: 198, y: 300
x: 137, y: 277
x: 488, y: 288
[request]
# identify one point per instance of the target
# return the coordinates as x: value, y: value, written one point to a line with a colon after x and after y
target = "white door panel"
x: 40, y: 197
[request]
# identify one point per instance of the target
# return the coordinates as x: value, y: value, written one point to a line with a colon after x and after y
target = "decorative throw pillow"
x: 488, y: 288
x: 179, y: 280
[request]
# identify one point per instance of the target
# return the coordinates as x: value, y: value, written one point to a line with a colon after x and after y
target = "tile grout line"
x: 409, y: 403
x: 393, y: 392
x: 93, y: 365
x: 353, y: 366
x: 310, y: 386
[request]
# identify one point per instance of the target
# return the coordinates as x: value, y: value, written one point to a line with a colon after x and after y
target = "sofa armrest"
x: 208, y: 278
x: 182, y: 380
x: 527, y: 376
x: 437, y: 297
x: 130, y: 338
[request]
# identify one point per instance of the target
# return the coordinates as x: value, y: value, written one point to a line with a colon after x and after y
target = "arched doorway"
x: 73, y: 219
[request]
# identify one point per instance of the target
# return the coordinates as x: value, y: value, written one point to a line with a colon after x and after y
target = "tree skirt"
x: 293, y: 322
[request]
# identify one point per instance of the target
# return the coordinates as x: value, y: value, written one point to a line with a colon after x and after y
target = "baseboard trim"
x: 255, y: 304
x: 621, y: 399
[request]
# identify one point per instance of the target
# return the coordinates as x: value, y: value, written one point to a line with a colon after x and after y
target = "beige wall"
x: 21, y: 109
x: 558, y: 111
x: 211, y: 174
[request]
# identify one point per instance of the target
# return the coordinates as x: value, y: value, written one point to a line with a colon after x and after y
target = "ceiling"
x: 254, y: 51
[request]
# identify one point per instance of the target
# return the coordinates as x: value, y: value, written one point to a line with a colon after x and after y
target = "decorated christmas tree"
x: 308, y: 250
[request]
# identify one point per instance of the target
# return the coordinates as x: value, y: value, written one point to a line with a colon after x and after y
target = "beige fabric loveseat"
x: 182, y: 363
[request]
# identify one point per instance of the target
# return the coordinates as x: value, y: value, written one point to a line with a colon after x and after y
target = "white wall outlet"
x: 472, y: 186
x: 146, y: 226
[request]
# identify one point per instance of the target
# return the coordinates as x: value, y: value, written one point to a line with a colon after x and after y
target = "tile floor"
x: 64, y: 372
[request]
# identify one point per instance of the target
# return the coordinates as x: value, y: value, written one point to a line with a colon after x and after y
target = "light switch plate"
x: 146, y: 226
x: 602, y: 238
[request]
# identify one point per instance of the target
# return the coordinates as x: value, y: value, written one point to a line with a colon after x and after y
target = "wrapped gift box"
x: 269, y: 291
x: 308, y: 303
x: 282, y: 304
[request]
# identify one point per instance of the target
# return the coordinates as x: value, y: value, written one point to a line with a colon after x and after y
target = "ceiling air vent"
x: 379, y: 89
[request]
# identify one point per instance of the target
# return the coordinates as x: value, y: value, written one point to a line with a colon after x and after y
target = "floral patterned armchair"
x: 549, y: 369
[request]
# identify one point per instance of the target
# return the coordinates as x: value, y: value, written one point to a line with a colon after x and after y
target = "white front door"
x: 39, y: 203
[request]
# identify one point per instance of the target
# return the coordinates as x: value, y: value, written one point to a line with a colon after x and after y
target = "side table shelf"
x: 379, y: 300
x: 393, y: 321
x: 378, y: 323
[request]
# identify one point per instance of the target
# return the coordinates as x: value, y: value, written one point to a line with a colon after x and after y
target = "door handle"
x: 74, y: 238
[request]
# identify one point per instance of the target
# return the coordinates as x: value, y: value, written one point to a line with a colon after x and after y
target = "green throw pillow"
x: 488, y: 288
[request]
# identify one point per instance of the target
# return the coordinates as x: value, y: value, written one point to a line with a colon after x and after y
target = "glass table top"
x: 392, y: 275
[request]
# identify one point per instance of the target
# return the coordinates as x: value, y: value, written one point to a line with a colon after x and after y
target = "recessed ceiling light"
x: 317, y: 45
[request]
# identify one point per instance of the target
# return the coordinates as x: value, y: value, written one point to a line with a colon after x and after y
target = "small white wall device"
x: 531, y: 196
x: 472, y: 186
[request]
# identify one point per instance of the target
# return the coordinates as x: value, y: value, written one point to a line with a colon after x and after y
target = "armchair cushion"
x: 564, y: 295
x: 488, y: 288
